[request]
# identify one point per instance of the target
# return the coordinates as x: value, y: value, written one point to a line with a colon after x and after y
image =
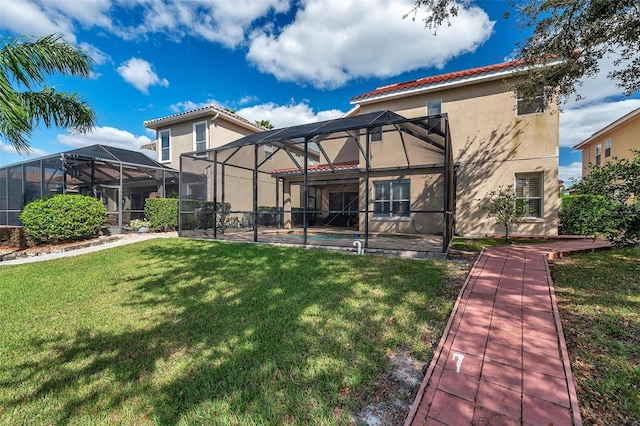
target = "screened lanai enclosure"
x: 377, y: 181
x: 121, y: 178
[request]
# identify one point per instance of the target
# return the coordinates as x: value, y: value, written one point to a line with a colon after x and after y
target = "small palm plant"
x: 505, y: 208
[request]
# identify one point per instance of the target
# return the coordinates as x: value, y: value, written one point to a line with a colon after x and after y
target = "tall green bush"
x: 63, y: 217
x: 162, y: 213
x: 587, y: 215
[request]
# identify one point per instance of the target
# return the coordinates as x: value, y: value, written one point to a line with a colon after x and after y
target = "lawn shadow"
x: 259, y: 334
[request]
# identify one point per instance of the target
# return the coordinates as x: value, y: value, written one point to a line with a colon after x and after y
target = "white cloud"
x: 141, y: 75
x: 577, y: 124
x: 184, y: 106
x: 224, y: 22
x: 33, y: 152
x: 96, y: 54
x: 31, y: 17
x: 601, y: 87
x: 570, y: 173
x: 105, y: 136
x: 287, y: 115
x: 88, y: 13
x: 334, y: 41
x: 279, y: 115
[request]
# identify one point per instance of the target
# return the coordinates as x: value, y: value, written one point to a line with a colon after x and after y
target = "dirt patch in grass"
x: 391, y: 399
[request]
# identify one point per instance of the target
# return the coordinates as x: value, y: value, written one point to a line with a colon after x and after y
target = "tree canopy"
x: 26, y: 100
x: 573, y: 34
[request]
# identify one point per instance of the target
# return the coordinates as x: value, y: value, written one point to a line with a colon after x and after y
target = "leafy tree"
x: 587, y: 215
x: 577, y: 32
x: 264, y: 123
x: 618, y: 180
x: 505, y: 208
x: 25, y: 100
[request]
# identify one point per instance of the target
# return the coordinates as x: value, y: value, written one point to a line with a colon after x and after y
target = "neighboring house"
x: 120, y: 178
x: 185, y: 141
x: 196, y: 131
x: 614, y: 141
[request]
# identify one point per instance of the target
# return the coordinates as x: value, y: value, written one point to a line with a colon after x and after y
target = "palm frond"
x: 60, y: 109
x: 28, y: 60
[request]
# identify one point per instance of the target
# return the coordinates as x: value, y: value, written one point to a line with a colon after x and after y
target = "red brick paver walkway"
x: 502, y: 359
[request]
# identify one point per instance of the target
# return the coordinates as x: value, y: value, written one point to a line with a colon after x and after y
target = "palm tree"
x: 265, y: 124
x: 24, y: 63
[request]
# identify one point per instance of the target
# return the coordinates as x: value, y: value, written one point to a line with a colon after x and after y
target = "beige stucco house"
x: 616, y: 140
x: 496, y: 139
x: 185, y: 142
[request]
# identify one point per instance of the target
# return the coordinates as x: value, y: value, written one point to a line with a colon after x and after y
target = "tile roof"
x: 347, y: 165
x: 442, y: 78
x: 207, y: 109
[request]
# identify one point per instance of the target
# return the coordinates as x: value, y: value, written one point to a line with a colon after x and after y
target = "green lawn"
x: 599, y: 302
x: 197, y: 332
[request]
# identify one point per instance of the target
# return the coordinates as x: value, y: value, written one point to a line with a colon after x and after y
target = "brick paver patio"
x: 502, y: 359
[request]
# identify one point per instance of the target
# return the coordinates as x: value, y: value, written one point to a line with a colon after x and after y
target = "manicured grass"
x: 599, y: 302
x: 197, y: 332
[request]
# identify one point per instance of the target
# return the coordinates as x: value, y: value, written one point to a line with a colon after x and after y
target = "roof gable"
x: 617, y: 123
x: 208, y: 111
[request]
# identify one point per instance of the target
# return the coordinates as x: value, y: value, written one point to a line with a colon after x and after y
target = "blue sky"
x: 289, y: 62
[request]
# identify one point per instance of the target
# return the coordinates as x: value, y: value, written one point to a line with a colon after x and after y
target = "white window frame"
x: 524, y: 193
x: 607, y: 148
x: 598, y: 156
x: 206, y: 136
x: 268, y: 150
x: 392, y: 199
x: 161, y: 149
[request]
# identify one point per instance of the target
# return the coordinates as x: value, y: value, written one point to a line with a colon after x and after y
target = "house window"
x: 598, y: 154
x: 607, y: 148
x: 165, y: 146
x: 530, y: 105
x: 434, y: 107
x: 375, y: 134
x: 529, y: 191
x: 391, y: 198
x: 268, y: 151
x: 200, y: 136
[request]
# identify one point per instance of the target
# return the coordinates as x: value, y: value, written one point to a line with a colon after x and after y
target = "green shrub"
x: 63, y: 217
x: 587, y: 215
x: 162, y: 213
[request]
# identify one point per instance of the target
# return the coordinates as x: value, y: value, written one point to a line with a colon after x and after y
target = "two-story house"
x: 390, y: 173
x: 615, y: 140
x: 186, y: 141
x: 497, y: 139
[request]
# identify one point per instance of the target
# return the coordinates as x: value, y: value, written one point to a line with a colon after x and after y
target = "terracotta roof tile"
x: 347, y: 165
x: 426, y: 81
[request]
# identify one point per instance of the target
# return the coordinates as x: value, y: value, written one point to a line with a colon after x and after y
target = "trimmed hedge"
x: 63, y: 217
x: 587, y: 215
x: 162, y: 213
